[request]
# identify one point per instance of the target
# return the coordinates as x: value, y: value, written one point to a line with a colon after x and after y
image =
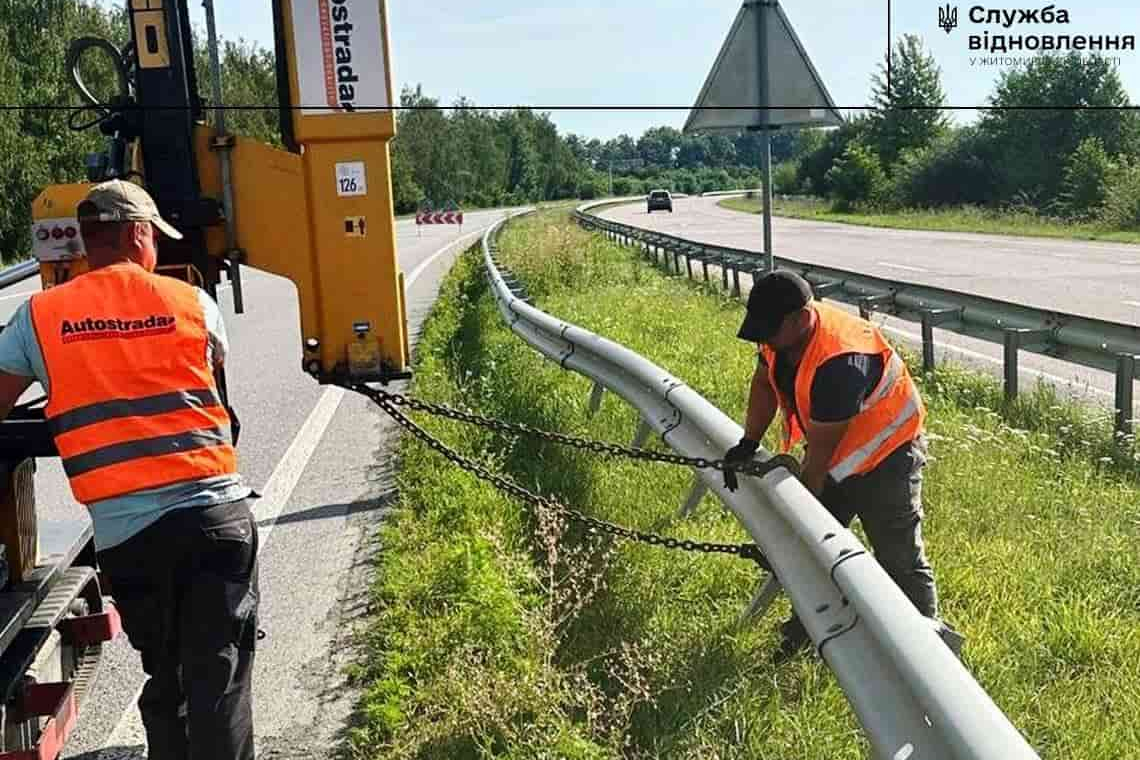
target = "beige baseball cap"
x: 120, y: 201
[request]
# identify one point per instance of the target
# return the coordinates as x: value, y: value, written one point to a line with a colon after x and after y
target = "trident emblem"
x: 948, y: 18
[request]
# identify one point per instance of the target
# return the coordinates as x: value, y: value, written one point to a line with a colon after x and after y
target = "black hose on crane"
x: 104, y: 111
x: 114, y: 118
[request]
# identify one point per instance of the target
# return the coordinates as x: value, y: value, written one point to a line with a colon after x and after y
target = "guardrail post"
x: 705, y: 266
x: 736, y: 282
x: 642, y: 435
x: 596, y: 398
x: 689, y: 266
x: 1012, y: 346
x: 696, y: 493
x: 724, y: 272
x: 1125, y: 375
x: 930, y: 318
x: 868, y: 304
x: 762, y: 599
x: 824, y: 289
x: 1017, y: 338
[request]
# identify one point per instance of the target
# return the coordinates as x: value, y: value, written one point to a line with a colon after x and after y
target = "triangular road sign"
x: 730, y: 99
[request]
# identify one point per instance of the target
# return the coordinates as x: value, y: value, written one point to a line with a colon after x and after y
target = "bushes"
x: 857, y: 177
x: 785, y: 179
x: 1084, y: 186
x: 812, y: 169
x: 1121, y: 207
x: 955, y: 170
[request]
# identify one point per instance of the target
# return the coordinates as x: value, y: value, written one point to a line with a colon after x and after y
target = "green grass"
x: 963, y: 219
x: 499, y: 632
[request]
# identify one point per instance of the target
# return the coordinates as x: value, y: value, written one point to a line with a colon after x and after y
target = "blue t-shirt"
x: 115, y: 520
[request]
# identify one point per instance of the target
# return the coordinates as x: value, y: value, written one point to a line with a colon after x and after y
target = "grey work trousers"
x: 888, y: 503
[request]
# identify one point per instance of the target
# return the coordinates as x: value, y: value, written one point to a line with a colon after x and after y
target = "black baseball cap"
x: 773, y: 297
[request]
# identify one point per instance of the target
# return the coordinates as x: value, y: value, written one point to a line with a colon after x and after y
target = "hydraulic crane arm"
x: 319, y: 213
x: 336, y: 112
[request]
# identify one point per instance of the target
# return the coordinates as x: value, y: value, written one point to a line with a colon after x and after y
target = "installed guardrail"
x: 913, y: 697
x: 1099, y: 344
x: 17, y: 273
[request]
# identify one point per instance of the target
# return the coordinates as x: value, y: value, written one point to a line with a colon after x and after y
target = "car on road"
x: 659, y: 200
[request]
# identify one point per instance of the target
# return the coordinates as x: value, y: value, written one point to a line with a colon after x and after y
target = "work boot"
x: 793, y: 640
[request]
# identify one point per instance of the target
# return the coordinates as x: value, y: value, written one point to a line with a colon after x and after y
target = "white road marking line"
x: 431, y: 259
x: 1132, y: 303
x: 901, y: 266
x: 27, y: 294
x: 129, y: 730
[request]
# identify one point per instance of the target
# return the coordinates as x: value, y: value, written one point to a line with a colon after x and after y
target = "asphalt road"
x: 319, y: 458
x: 1099, y: 280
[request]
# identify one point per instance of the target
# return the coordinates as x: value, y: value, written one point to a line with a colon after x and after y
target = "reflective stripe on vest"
x: 856, y: 459
x: 132, y: 403
x: 139, y: 407
x: 894, y: 370
x: 81, y: 464
x: 889, y: 416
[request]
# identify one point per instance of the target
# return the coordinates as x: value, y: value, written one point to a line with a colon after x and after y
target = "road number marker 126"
x: 351, y: 179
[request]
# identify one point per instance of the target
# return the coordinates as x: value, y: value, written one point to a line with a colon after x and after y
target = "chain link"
x: 612, y: 450
x: 390, y: 402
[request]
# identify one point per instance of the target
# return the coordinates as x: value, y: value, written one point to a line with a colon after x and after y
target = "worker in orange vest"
x: 848, y: 394
x: 127, y: 358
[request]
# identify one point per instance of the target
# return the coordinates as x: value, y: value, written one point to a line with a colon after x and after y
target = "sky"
x: 613, y: 53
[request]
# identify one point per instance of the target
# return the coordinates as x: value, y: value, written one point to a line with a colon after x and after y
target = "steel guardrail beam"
x: 17, y: 273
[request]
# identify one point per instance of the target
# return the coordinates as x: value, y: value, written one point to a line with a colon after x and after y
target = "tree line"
x: 1030, y: 150
x: 1079, y: 164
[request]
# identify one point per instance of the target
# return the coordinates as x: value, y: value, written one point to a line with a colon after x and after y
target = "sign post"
x: 762, y: 80
x: 766, y: 143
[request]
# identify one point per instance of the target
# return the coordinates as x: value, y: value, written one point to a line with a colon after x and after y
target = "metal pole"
x: 1012, y: 346
x: 765, y: 125
x: 766, y: 157
x: 1125, y: 376
x: 927, y: 342
x: 223, y: 147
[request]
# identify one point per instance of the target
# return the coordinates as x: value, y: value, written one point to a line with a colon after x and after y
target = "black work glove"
x: 738, y: 454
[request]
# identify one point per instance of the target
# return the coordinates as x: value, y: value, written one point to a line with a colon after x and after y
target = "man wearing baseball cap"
x: 849, y: 396
x: 127, y: 358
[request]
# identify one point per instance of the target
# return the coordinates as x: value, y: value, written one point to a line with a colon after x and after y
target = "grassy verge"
x: 501, y: 632
x: 967, y: 219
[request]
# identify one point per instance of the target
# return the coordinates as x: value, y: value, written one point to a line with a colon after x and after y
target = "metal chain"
x: 387, y: 401
x: 613, y: 450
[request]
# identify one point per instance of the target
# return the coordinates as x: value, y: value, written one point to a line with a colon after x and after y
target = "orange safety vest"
x: 890, y: 416
x: 132, y: 400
